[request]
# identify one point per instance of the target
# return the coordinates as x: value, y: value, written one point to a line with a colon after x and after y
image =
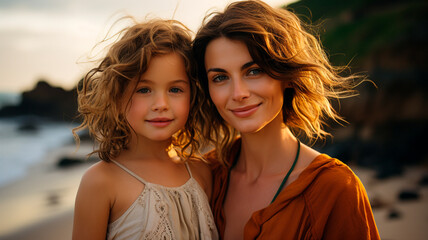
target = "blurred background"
x: 47, y: 46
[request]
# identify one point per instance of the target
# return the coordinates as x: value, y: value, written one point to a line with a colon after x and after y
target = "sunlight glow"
x: 52, y: 39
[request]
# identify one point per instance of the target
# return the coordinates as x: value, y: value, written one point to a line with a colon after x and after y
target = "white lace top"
x: 162, y: 212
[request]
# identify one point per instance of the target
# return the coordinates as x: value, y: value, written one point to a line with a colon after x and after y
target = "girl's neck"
x: 268, y: 150
x: 145, y: 149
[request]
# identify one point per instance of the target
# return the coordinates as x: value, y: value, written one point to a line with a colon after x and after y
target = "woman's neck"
x: 267, y: 151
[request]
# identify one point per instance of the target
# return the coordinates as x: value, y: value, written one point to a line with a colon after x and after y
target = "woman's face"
x: 244, y: 95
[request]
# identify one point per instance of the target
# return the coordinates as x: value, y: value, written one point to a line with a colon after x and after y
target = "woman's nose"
x: 240, y: 89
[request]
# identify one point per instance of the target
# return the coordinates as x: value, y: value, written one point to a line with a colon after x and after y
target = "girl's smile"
x: 160, y: 122
x: 160, y: 103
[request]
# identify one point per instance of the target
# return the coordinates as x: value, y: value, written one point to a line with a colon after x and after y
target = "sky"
x: 52, y: 39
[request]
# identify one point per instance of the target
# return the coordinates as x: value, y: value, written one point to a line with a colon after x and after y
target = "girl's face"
x: 245, y: 96
x: 160, y: 103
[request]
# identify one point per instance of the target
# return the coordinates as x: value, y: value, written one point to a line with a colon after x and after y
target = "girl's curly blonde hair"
x: 100, y: 95
x: 279, y: 44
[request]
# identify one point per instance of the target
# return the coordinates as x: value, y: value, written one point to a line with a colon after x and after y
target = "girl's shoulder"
x: 98, y: 173
x: 202, y: 173
x: 198, y: 165
x: 99, y: 178
x: 93, y: 202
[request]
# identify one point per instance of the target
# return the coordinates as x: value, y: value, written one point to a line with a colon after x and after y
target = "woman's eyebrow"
x: 216, y: 70
x: 246, y: 65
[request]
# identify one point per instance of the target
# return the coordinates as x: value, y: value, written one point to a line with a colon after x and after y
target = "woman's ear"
x: 287, y: 84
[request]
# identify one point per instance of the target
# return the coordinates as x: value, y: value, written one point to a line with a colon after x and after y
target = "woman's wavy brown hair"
x: 101, y: 94
x: 279, y: 43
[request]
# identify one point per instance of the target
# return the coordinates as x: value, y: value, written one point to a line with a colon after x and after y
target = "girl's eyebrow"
x: 246, y: 65
x: 146, y: 81
x: 180, y: 81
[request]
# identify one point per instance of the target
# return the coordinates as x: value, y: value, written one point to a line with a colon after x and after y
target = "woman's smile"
x: 245, y: 111
x: 245, y: 96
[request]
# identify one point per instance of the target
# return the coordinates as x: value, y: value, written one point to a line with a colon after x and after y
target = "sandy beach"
x: 398, y: 219
x: 40, y: 206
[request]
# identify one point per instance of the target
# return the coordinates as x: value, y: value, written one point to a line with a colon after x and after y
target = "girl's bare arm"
x: 92, y: 207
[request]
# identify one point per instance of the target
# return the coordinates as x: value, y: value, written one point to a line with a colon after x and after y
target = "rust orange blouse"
x: 327, y: 201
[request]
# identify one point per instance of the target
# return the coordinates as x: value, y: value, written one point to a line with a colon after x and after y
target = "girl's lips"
x: 159, y: 122
x: 246, y: 111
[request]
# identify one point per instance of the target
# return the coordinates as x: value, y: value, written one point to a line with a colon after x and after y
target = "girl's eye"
x: 143, y: 90
x: 255, y: 71
x: 219, y: 78
x: 176, y: 90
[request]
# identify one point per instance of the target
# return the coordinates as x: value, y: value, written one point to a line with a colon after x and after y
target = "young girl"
x: 136, y: 104
x: 268, y: 79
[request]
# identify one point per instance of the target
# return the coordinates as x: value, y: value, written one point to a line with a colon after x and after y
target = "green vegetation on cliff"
x: 357, y: 29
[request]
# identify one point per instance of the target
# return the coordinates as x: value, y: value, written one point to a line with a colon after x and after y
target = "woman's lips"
x: 246, y: 111
x: 159, y: 122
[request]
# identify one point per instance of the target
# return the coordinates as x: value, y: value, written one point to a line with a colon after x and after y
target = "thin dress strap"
x: 130, y: 172
x: 188, y: 169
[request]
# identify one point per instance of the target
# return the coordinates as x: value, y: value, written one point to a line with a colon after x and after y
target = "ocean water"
x: 7, y: 98
x: 19, y: 150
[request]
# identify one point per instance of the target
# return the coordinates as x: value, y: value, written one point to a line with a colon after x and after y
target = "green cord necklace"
x: 289, y: 172
x: 283, y: 181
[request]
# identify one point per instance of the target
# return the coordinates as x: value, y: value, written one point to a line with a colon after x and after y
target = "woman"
x: 268, y: 79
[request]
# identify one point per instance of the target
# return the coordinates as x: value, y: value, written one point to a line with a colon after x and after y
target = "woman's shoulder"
x: 212, y: 159
x: 217, y: 164
x: 334, y: 195
x: 218, y: 168
x: 333, y: 176
x: 334, y: 169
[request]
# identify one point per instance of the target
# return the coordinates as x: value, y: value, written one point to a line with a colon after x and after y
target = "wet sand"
x: 40, y: 206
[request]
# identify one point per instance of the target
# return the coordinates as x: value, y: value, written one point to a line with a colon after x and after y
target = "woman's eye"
x: 176, y: 90
x: 255, y: 71
x: 143, y: 90
x: 219, y: 78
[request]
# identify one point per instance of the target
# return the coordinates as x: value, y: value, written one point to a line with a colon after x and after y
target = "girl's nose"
x: 160, y: 103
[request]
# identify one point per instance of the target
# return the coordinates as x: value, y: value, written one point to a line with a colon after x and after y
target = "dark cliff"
x: 45, y: 101
x: 388, y: 42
